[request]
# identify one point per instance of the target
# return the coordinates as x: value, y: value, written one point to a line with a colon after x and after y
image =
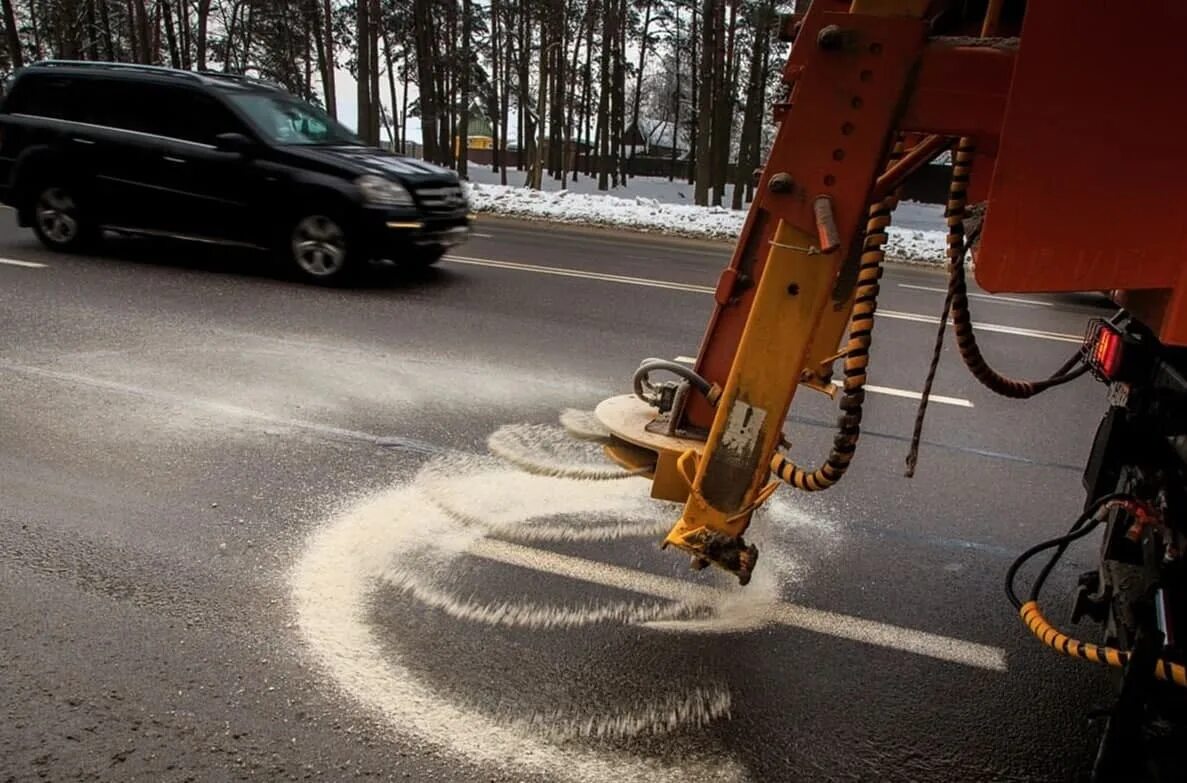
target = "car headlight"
x: 381, y: 190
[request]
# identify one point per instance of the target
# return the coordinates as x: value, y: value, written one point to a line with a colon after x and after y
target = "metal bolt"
x: 781, y: 183
x: 793, y: 289
x: 830, y: 38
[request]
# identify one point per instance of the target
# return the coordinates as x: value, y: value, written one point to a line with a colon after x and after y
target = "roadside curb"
x: 669, y: 238
x: 589, y: 227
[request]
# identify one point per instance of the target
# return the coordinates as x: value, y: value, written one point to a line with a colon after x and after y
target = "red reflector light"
x: 1104, y: 350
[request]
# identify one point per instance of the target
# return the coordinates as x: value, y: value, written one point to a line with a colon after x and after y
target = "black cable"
x: 642, y: 382
x: 1084, y: 524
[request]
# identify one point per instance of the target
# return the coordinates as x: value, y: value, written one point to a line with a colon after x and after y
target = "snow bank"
x: 648, y: 214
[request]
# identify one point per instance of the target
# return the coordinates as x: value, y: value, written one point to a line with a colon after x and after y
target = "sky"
x: 347, y: 102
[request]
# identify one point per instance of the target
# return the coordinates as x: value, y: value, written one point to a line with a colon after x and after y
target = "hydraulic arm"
x: 1064, y: 133
x: 872, y: 94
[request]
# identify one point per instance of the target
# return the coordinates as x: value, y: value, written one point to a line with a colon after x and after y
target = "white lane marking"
x: 333, y: 588
x: 225, y: 409
x: 28, y: 264
x: 959, y: 402
x: 986, y: 297
x: 564, y: 272
x: 1038, y: 334
x: 483, y: 236
x: 828, y: 623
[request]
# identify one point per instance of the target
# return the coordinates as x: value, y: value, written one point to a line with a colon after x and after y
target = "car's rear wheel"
x: 321, y: 251
x: 59, y: 220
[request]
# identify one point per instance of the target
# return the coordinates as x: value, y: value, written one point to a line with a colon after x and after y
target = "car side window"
x: 117, y: 103
x: 194, y: 116
x: 42, y: 96
x: 156, y: 109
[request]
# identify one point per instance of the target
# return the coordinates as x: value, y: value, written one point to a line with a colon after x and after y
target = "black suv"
x: 87, y: 147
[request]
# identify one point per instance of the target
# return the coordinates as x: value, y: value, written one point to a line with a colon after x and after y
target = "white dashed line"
x: 959, y: 402
x: 26, y: 264
x: 986, y: 297
x: 564, y: 272
x: 482, y: 236
x: 791, y: 615
x: 1038, y: 334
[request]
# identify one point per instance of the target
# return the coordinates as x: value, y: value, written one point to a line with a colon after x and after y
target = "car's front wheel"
x: 59, y: 220
x: 321, y: 251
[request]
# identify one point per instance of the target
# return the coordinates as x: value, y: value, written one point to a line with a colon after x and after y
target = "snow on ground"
x: 655, y: 205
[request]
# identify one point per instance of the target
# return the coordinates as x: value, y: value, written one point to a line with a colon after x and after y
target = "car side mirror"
x: 233, y: 142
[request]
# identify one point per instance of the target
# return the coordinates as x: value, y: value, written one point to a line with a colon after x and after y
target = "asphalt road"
x: 251, y: 529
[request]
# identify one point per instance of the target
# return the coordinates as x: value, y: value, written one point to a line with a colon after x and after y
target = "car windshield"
x: 285, y: 120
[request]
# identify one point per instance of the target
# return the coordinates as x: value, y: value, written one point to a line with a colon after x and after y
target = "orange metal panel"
x: 961, y: 91
x: 833, y: 146
x: 1090, y: 187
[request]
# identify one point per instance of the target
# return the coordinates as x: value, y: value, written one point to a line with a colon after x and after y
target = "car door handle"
x: 171, y: 159
x: 80, y: 140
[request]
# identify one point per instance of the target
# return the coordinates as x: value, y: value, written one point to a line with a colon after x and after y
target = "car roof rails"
x: 243, y: 79
x: 155, y: 70
x: 204, y: 76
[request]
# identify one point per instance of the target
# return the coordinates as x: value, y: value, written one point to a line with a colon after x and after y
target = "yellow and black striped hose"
x: 962, y: 320
x: 857, y: 356
x: 1106, y: 656
x: 1051, y: 636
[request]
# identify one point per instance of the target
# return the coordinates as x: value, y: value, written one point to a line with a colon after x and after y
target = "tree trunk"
x: 587, y: 93
x: 37, y: 48
x: 536, y: 176
x: 723, y: 114
x: 375, y: 20
x: 525, y: 69
x: 327, y: 75
x: 604, y: 95
x: 108, y: 39
x: 447, y: 92
x: 143, y: 36
x: 11, y: 34
x: 676, y: 98
x: 68, y: 45
x: 495, y: 87
x: 620, y: 95
x: 505, y: 110
x: 694, y: 120
x: 91, y: 39
x: 307, y: 40
x: 391, y: 86
x: 156, y: 34
x: 753, y: 112
x: 569, y: 161
x: 248, y: 25
x: 313, y: 21
x: 232, y: 28
x: 404, y: 112
x: 363, y: 75
x: 423, y: 30
x: 557, y: 129
x: 704, y: 165
x: 170, y: 35
x: 770, y: 16
x: 185, y: 34
x: 467, y: 60
x: 203, y: 23
x: 642, y: 65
